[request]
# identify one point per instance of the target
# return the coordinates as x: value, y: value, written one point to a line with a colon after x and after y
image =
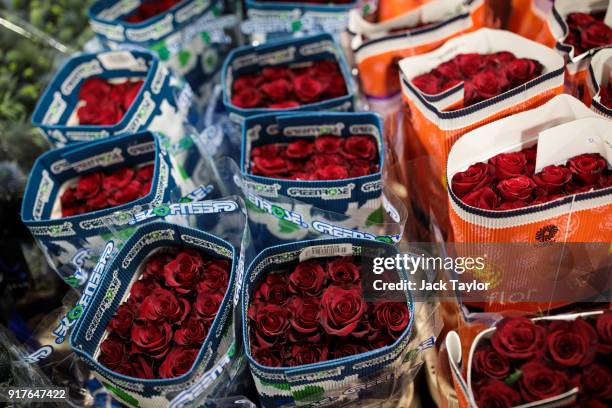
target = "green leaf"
x: 375, y: 217
x: 514, y: 377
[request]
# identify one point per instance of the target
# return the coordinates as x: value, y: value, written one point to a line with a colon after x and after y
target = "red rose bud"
x: 469, y: 64
x: 604, y: 330
x: 216, y: 277
x: 392, y: 317
x: 341, y: 310
x: 277, y: 90
x: 88, y: 185
x: 508, y: 165
x: 580, y: 19
x: 487, y: 84
x: 343, y: 271
x: 499, y: 59
x: 331, y: 172
x: 328, y: 144
x: 587, y: 168
x: 178, y: 361
x: 597, y: 34
x: 192, y: 332
x: 448, y: 69
x: 269, y: 166
x: 359, y: 147
x: 475, y: 177
x: 274, y: 73
x: 553, y: 178
x: 283, y: 105
x: 184, y: 272
x: 247, y: 98
x: 306, y: 314
x: 246, y: 81
x: 427, y: 83
x: 162, y: 304
x: 152, y: 338
x: 207, y: 305
x: 269, y: 357
x: 141, y: 288
x: 522, y: 70
x: 270, y: 322
x: 138, y: 366
x: 513, y: 205
x: 300, y: 149
x: 154, y: 267
x: 596, y: 381
x: 484, y: 198
x: 516, y: 189
x: 348, y: 349
x: 518, y: 338
x: 306, y: 353
x: 112, y: 352
x: 496, y: 394
x: 307, y: 278
x: 539, y: 382
x: 121, y: 322
x: 571, y: 344
x: 273, y: 289
x: 307, y: 89
x: 490, y: 364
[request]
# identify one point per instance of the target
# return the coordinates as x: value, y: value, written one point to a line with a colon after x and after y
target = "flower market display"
x: 317, y: 203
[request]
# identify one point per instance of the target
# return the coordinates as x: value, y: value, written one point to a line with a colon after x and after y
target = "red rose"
x: 270, y: 322
x: 571, y: 344
x: 360, y: 168
x: 336, y: 87
x: 141, y: 288
x: 307, y: 278
x: 500, y: 58
x: 348, y: 349
x: 530, y: 154
x: 513, y: 205
x: 516, y: 189
x: 341, y: 310
x: 299, y: 149
x: 592, y: 403
x: 118, y: 178
x: 112, y: 352
x: 122, y: 320
x: 343, y: 270
x: 130, y: 92
x: 306, y: 353
x: 321, y: 160
x: 484, y: 198
x: 138, y: 366
x: 496, y: 394
x: 184, y: 272
x: 93, y: 90
x: 216, y: 277
x: 69, y: 197
x: 539, y: 382
x: 207, y: 305
x: 307, y: 89
x: 328, y: 144
x: 246, y: 82
x: 427, y: 83
x: 448, y: 70
x: 522, y: 70
x: 475, y: 177
x: 273, y: 289
x: 604, y: 330
x: 247, y: 98
x: 192, y: 332
x: 392, y: 317
x: 152, y: 338
x: 605, y: 95
x: 154, y: 267
x: 469, y: 64
x: 100, y: 114
x: 277, y: 90
x: 490, y: 364
x: 88, y: 185
x: 596, y: 381
x: 283, y: 105
x: 306, y: 314
x: 579, y: 19
x: 364, y: 329
x: 95, y: 203
x: 553, y: 178
x: 331, y: 172
x: 518, y: 338
x: 359, y: 147
x: 597, y: 34
x: 587, y: 168
x: 508, y: 165
x: 178, y: 361
x: 126, y: 194
x: 324, y: 68
x: 269, y: 166
x: 161, y: 304
x: 272, y: 73
x: 268, y: 357
x: 487, y: 84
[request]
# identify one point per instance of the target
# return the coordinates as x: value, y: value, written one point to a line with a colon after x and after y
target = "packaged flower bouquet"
x: 580, y: 30
x: 553, y: 361
x: 316, y: 333
x: 378, y: 46
x: 312, y: 164
x: 186, y: 35
x: 103, y: 95
x: 529, y: 19
x: 162, y: 317
x: 508, y: 183
x: 600, y: 86
x: 73, y: 194
x: 308, y: 73
x: 471, y: 80
x: 274, y: 19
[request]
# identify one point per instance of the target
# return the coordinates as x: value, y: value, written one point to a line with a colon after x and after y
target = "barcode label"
x: 119, y: 60
x: 321, y: 251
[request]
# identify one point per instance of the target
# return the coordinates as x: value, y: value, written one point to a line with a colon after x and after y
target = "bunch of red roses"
x: 325, y: 158
x: 103, y: 103
x: 159, y: 330
x: 605, y: 93
x: 283, y: 87
x: 483, y: 75
x: 587, y: 31
x: 150, y: 8
x: 100, y: 190
x: 316, y: 312
x: 507, y: 181
x: 526, y: 361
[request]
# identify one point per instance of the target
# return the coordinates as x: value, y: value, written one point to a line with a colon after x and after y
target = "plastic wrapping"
x: 529, y: 18
x: 431, y: 126
x: 189, y: 38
